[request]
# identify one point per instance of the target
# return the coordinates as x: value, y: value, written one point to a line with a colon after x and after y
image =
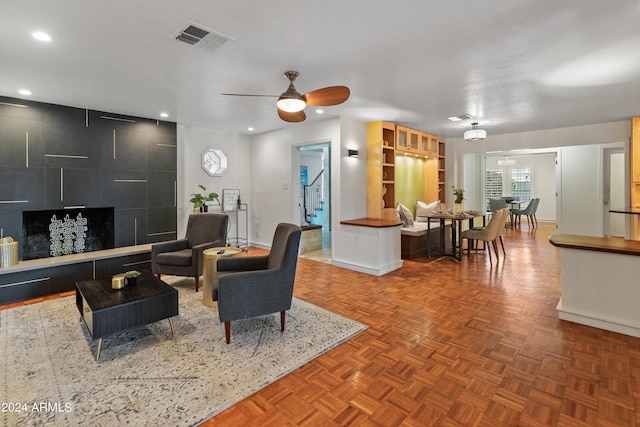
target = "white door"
x: 613, y: 192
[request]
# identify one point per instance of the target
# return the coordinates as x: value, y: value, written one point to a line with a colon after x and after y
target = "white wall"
x: 543, y: 185
x: 584, y: 160
x: 275, y: 174
x: 275, y: 177
x: 191, y: 143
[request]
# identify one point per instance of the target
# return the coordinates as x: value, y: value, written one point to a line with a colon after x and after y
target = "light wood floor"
x: 454, y: 344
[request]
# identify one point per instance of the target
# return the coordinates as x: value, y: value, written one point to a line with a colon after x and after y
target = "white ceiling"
x: 519, y: 64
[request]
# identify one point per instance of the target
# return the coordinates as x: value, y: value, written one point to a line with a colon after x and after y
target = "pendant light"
x: 475, y: 133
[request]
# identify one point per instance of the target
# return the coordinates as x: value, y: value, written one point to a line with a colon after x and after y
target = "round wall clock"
x: 214, y: 162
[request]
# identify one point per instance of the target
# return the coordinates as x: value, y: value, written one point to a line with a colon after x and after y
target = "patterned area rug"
x: 146, y: 376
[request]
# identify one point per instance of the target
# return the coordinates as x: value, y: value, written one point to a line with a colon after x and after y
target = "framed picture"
x: 230, y: 199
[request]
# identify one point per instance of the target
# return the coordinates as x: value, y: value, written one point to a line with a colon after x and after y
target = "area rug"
x: 147, y: 376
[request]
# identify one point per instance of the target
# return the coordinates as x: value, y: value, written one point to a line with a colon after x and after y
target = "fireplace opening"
x: 56, y: 232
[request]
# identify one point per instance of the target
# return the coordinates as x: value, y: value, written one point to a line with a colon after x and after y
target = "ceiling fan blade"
x: 249, y: 94
x: 332, y: 95
x: 298, y: 116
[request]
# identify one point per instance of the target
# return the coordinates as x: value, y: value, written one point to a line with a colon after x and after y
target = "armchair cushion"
x: 247, y: 263
x: 181, y: 257
x: 170, y: 246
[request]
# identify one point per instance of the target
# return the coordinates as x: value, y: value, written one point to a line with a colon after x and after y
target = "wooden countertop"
x: 373, y: 222
x: 614, y: 245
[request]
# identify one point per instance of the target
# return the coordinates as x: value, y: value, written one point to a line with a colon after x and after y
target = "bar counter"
x: 600, y: 285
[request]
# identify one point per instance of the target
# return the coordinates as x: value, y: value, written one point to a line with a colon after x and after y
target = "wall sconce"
x: 353, y: 153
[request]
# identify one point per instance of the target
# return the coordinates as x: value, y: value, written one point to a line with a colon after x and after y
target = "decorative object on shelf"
x: 384, y: 193
x: 214, y: 162
x: 200, y: 200
x: 8, y: 252
x: 475, y: 133
x: 131, y: 277
x: 230, y: 199
x: 458, y: 206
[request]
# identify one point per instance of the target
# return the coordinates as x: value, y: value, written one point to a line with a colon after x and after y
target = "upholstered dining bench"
x: 420, y: 239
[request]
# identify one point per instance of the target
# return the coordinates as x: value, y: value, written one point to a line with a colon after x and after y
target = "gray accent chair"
x: 184, y: 257
x: 529, y: 212
x: 250, y: 286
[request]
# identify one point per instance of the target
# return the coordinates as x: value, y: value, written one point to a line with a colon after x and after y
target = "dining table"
x: 513, y: 204
x: 456, y: 220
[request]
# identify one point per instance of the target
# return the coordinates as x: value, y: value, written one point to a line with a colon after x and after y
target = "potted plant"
x: 458, y: 204
x: 130, y: 277
x: 200, y: 200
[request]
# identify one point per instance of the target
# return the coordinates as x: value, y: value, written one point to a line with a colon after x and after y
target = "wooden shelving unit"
x: 441, y: 170
x: 381, y: 163
x: 384, y: 142
x: 635, y: 176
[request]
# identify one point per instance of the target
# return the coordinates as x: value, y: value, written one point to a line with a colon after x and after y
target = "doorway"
x: 315, y: 201
x: 613, y: 190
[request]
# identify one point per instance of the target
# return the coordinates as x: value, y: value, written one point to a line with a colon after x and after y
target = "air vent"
x: 201, y: 36
x: 461, y: 117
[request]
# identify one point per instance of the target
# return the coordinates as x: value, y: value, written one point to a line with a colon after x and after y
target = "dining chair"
x: 495, y: 204
x: 535, y: 209
x: 529, y: 211
x: 502, y: 228
x: 487, y: 235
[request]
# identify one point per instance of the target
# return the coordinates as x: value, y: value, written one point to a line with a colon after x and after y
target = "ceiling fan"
x: 291, y: 104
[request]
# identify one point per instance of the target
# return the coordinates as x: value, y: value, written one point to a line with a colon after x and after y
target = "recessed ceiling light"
x: 164, y: 115
x: 43, y: 37
x: 319, y: 111
x: 250, y: 129
x: 24, y: 92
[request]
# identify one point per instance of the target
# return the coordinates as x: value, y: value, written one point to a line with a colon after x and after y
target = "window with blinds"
x: 521, y: 184
x: 493, y: 184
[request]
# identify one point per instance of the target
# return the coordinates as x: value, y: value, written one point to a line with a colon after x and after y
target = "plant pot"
x: 458, y: 207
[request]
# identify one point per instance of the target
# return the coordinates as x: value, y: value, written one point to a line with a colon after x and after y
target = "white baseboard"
x: 368, y: 270
x: 589, y: 320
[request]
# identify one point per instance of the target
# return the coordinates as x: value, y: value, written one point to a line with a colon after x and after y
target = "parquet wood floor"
x: 454, y: 344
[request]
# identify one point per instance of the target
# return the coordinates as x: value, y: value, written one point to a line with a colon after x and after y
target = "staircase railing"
x: 313, y: 196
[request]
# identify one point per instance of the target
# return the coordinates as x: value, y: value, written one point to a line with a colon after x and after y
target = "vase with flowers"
x: 458, y: 206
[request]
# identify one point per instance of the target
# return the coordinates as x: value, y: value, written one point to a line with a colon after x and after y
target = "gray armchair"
x: 253, y: 286
x: 184, y: 257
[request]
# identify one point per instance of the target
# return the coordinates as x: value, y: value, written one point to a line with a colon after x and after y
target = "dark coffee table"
x: 106, y: 311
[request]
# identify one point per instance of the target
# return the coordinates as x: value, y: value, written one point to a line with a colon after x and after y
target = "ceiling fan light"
x: 475, y: 134
x: 291, y: 105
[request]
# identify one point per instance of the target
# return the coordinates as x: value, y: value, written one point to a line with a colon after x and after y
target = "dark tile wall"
x: 52, y: 157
